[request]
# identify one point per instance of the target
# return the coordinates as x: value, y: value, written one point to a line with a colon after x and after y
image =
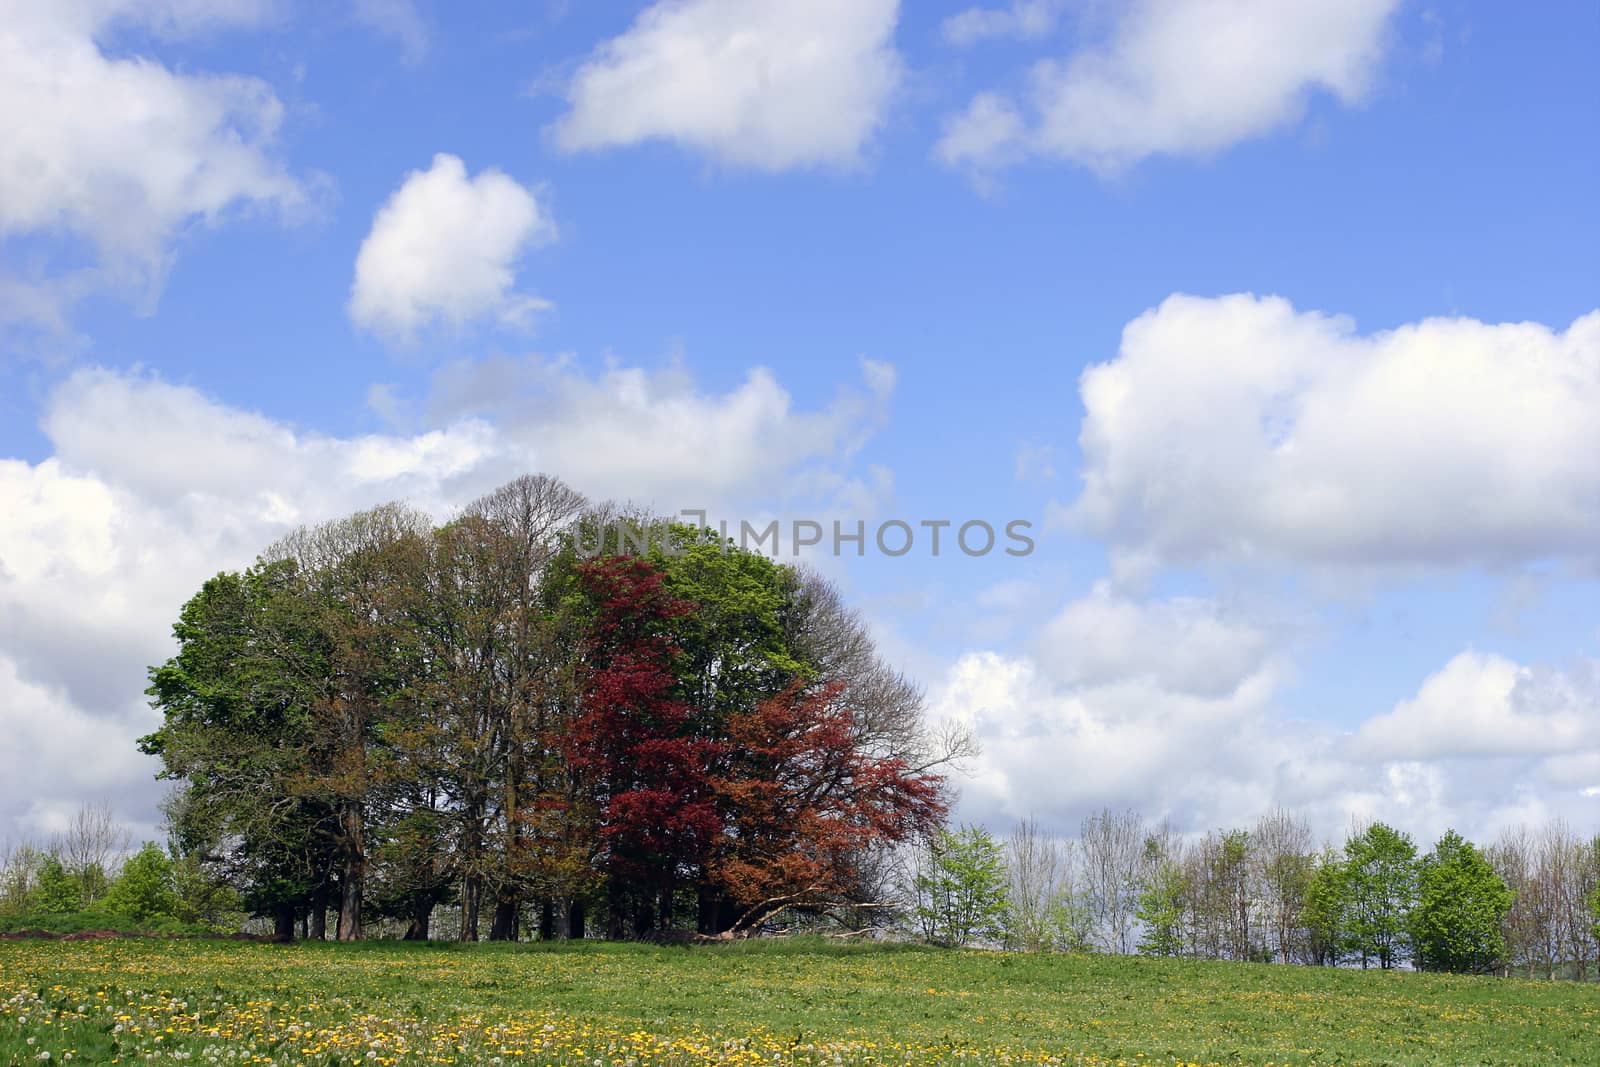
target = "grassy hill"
x: 807, y: 1002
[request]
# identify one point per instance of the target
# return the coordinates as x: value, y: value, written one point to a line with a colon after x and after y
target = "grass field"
x: 795, y: 1002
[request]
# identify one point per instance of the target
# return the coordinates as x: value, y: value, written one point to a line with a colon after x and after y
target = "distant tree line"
x: 507, y: 720
x: 1529, y: 904
x: 86, y: 877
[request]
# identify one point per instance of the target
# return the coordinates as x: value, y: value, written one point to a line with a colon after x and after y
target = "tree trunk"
x: 547, y: 919
x: 644, y: 916
x: 319, y: 914
x: 712, y: 914
x: 421, y: 916
x: 471, y: 889
x: 283, y: 922
x: 616, y: 914
x: 665, y: 912
x: 504, y: 927
x: 472, y: 867
x: 351, y: 878
x: 575, y: 920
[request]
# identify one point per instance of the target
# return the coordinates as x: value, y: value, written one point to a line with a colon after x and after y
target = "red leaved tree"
x: 637, y: 746
x: 804, y: 801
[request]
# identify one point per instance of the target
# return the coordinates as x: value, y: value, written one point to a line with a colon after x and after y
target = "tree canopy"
x: 382, y: 715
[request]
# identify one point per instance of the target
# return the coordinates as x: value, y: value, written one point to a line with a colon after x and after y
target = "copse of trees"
x: 1529, y: 904
x: 521, y: 719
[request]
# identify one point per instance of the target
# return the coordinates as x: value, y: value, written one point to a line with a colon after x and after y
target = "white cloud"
x: 444, y: 248
x: 1240, y: 429
x: 1487, y: 705
x: 765, y: 84
x: 1184, y: 645
x: 58, y: 756
x: 1023, y: 20
x: 152, y: 487
x: 1130, y: 716
x: 1176, y: 77
x: 1204, y: 751
x: 121, y: 153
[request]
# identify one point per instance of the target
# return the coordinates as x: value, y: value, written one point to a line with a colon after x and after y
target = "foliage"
x: 1461, y: 904
x: 381, y: 716
x: 1378, y: 889
x: 1324, y: 910
x: 960, y: 888
x: 144, y: 891
x: 1072, y: 923
x: 57, y: 891
x: 201, y: 898
x: 636, y: 741
x: 804, y: 801
x: 94, y: 919
x: 1161, y: 909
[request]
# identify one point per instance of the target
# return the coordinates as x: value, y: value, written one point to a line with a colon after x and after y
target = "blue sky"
x: 287, y: 259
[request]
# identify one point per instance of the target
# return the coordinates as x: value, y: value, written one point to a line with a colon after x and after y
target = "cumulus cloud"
x: 1240, y: 429
x: 1185, y: 644
x: 152, y: 487
x: 1131, y: 715
x: 767, y: 85
x: 1209, y: 750
x: 121, y: 153
x: 444, y: 249
x: 1174, y: 77
x: 1486, y: 705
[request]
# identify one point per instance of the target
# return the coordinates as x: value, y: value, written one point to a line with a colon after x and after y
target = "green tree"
x: 1461, y: 904
x: 1594, y: 897
x: 1161, y: 909
x: 1071, y: 921
x: 19, y: 877
x: 57, y: 891
x: 1379, y: 893
x: 960, y: 888
x: 201, y: 897
x: 236, y: 732
x: 1323, y: 911
x: 144, y: 891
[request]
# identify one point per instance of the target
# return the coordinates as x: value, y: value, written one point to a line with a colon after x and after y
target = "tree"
x: 1283, y: 864
x: 1224, y: 899
x: 1324, y: 911
x: 19, y: 876
x: 143, y: 891
x: 1033, y: 868
x: 1379, y: 889
x: 201, y: 897
x: 57, y: 891
x: 801, y: 801
x: 1161, y: 909
x: 236, y: 703
x: 1461, y: 904
x: 90, y: 846
x: 960, y: 888
x: 1113, y: 849
x: 1594, y: 896
x: 350, y: 606
x: 1071, y: 917
x: 638, y: 744
x: 383, y: 716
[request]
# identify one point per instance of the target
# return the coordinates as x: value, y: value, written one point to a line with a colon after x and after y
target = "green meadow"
x: 770, y: 1002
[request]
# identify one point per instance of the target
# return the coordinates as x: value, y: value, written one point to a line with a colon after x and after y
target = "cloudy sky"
x: 1279, y: 322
